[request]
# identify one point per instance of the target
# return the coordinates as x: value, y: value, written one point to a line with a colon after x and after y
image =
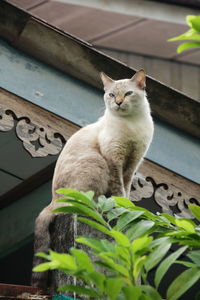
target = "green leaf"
x: 170, y: 218
x: 141, y: 243
x: 195, y: 209
x: 139, y: 229
x: 79, y: 290
x: 105, y: 204
x: 127, y: 218
x: 187, y: 225
x: 98, y: 279
x: 132, y: 292
x: 185, y: 263
x: 159, y: 241
x: 77, y: 196
x: 165, y: 265
x: 113, y: 287
x: 108, y: 246
x: 187, y: 45
x: 151, y: 292
x: 43, y: 255
x: 123, y: 202
x: 89, y: 195
x: 82, y: 210
x: 44, y: 267
x: 116, y: 212
x: 91, y: 242
x: 64, y: 261
x: 187, y: 36
x: 69, y: 209
x: 195, y: 257
x: 156, y: 255
x: 82, y: 260
x: 115, y: 267
x: 194, y: 22
x: 188, y: 20
x: 120, y: 238
x: 182, y: 283
x: 138, y: 265
x: 188, y: 242
x: 95, y: 225
x: 123, y: 253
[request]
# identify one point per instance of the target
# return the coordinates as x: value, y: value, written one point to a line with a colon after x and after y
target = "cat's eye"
x: 111, y: 95
x: 128, y: 93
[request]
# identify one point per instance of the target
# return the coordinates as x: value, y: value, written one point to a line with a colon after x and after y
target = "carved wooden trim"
x: 44, y: 133
x: 41, y: 132
x: 173, y: 193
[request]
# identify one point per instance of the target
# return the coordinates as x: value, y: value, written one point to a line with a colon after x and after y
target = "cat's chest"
x: 137, y: 132
x: 125, y: 137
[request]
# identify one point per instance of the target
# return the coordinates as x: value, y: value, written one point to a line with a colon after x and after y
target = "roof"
x: 114, y: 30
x: 80, y: 59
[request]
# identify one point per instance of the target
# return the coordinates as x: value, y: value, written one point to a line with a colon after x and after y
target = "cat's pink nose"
x: 119, y: 101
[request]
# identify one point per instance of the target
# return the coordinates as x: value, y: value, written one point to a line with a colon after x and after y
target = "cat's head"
x: 126, y: 96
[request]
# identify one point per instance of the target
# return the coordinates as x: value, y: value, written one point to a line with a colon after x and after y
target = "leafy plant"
x: 192, y: 36
x: 135, y: 242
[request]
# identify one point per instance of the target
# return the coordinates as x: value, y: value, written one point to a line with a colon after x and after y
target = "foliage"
x: 134, y: 241
x: 192, y: 36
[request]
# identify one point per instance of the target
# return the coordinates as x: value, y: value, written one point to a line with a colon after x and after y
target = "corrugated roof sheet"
x: 113, y: 30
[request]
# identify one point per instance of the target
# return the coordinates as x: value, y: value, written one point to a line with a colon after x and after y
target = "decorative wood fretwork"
x: 170, y: 195
x: 37, y: 140
x: 41, y: 132
x: 44, y: 133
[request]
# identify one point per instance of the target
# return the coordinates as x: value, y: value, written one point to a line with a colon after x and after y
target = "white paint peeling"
x: 39, y: 94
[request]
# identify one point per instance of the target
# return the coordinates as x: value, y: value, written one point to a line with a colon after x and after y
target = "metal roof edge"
x: 79, y: 59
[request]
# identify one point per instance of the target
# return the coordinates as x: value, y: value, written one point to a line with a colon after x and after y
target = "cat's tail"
x: 42, y: 243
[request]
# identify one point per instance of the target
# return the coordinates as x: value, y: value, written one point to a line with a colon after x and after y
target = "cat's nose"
x: 119, y: 101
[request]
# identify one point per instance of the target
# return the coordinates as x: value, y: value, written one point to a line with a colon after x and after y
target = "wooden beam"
x: 165, y: 187
x: 41, y: 132
x: 163, y: 190
x: 81, y: 60
x: 11, y: 291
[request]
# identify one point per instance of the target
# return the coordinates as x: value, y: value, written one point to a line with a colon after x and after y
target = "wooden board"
x: 11, y: 291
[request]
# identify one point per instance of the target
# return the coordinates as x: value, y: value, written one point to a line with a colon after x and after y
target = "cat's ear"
x: 140, y: 79
x: 107, y: 81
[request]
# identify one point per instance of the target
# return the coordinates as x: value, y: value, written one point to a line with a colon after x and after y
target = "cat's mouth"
x: 120, y: 108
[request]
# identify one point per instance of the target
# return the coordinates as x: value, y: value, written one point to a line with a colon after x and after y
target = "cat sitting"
x: 102, y: 157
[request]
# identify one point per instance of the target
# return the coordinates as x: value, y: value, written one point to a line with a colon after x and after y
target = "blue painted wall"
x: 83, y: 104
x: 20, y: 227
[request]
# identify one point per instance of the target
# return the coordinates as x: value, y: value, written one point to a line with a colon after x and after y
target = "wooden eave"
x: 79, y: 59
x: 32, y: 124
x: 155, y: 187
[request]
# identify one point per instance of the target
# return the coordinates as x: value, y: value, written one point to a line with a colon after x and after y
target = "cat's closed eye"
x: 128, y: 93
x: 111, y: 95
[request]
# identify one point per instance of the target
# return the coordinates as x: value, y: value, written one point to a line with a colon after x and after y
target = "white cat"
x: 102, y: 157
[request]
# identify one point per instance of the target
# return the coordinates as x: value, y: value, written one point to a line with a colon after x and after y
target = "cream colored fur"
x: 102, y: 157
x: 105, y: 155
